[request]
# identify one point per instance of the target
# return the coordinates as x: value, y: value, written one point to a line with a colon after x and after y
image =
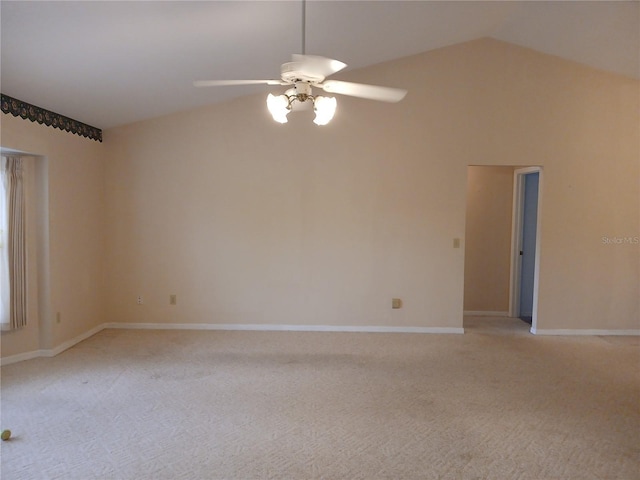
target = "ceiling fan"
x: 304, y: 73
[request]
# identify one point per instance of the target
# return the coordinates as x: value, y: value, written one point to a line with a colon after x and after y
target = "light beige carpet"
x: 492, y: 404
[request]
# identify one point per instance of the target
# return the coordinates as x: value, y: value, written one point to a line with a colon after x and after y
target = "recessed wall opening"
x: 502, y: 248
x: 37, y: 334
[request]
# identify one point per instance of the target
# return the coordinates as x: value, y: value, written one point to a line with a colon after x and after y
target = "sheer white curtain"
x: 14, y: 246
x: 4, y: 245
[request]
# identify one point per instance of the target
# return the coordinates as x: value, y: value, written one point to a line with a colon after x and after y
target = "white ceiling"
x: 112, y: 63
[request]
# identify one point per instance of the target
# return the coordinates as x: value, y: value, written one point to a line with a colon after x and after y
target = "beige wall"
x: 249, y: 221
x: 488, y: 239
x: 67, y: 206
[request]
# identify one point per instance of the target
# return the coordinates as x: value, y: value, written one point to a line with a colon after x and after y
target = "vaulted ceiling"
x: 112, y: 63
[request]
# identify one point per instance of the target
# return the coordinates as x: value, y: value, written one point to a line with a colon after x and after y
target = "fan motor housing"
x: 292, y: 72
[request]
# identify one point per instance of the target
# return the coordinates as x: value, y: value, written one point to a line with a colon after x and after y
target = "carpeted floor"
x: 495, y: 403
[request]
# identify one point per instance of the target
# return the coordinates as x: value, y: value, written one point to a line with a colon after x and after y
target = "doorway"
x: 499, y: 288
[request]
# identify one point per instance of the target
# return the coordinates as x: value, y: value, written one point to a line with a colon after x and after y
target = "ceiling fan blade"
x: 220, y: 83
x: 372, y: 92
x: 316, y: 65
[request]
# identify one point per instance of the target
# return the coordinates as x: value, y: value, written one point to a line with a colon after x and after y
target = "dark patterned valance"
x: 18, y: 108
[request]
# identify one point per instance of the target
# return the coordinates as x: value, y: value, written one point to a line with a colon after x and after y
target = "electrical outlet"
x: 140, y: 301
x: 173, y: 299
x: 456, y: 243
x: 396, y: 303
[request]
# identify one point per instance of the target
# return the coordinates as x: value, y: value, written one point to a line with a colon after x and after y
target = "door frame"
x: 516, y: 244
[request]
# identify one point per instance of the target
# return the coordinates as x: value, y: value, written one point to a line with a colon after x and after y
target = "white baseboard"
x: 576, y: 332
x: 289, y: 328
x: 51, y: 352
x: 213, y: 326
x: 484, y: 313
x: 20, y: 357
x: 282, y: 328
x: 74, y: 341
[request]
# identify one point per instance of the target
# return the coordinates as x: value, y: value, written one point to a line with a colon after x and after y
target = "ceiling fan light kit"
x: 280, y: 105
